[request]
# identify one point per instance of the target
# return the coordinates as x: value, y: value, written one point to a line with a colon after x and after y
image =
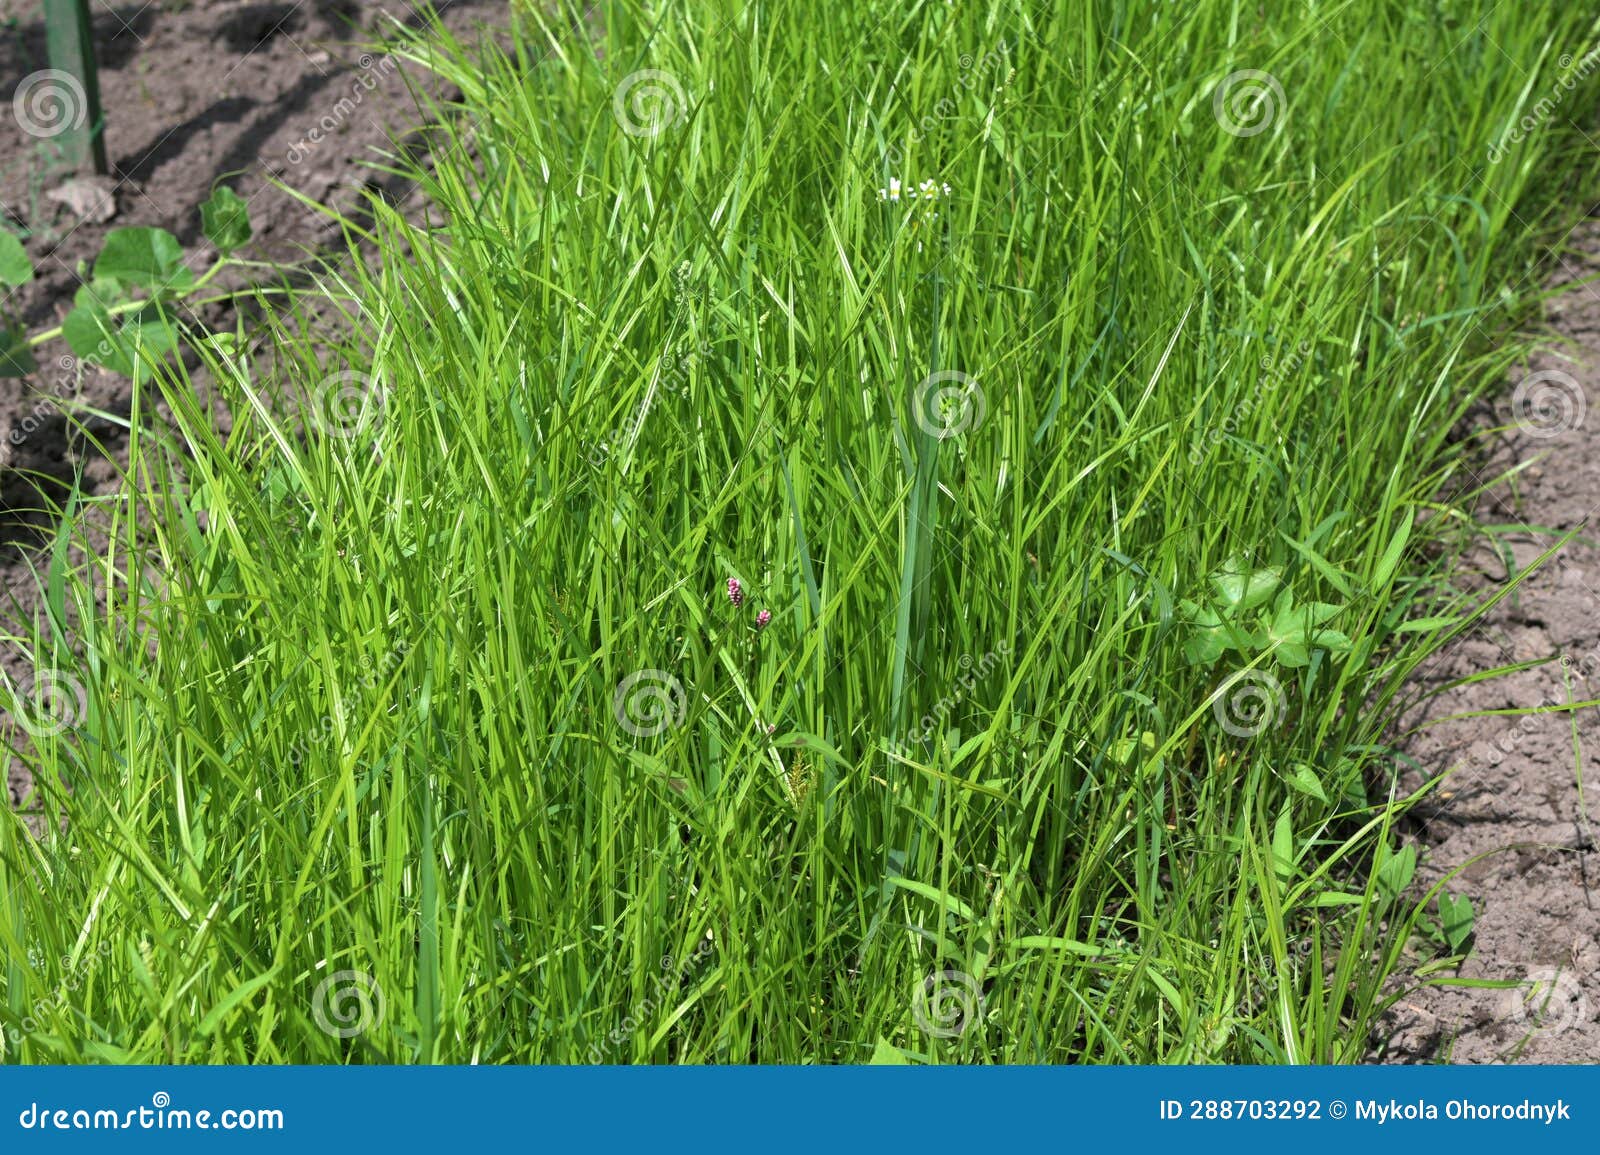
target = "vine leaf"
x: 226, y: 219
x: 15, y: 268
x: 145, y: 258
x: 16, y: 355
x: 92, y: 333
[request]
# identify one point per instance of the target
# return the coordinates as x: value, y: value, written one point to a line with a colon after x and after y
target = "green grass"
x: 364, y: 715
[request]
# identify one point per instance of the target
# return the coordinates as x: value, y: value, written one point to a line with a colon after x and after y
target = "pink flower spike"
x: 735, y: 592
x: 763, y: 618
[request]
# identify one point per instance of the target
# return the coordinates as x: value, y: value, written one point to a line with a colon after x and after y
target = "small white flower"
x: 928, y: 190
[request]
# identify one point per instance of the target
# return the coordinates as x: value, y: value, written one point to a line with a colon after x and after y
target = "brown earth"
x: 1511, y: 815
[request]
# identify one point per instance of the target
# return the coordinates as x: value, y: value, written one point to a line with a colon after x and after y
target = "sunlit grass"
x: 446, y: 688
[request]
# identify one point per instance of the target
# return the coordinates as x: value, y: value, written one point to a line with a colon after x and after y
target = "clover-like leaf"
x: 226, y: 219
x: 1241, y: 588
x: 1205, y: 646
x: 1293, y: 631
x: 1211, y: 636
x: 1331, y: 640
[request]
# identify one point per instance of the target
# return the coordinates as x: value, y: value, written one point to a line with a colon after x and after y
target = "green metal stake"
x: 70, y: 41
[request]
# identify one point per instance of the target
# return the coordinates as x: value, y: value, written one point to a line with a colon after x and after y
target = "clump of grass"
x: 1087, y: 500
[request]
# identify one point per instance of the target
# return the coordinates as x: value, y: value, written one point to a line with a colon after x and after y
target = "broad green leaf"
x: 226, y: 219
x: 1456, y: 919
x: 1241, y: 590
x: 1397, y: 871
x: 1283, y: 847
x: 885, y: 1054
x: 96, y: 337
x: 1319, y: 612
x: 1205, y: 646
x: 104, y: 292
x: 16, y: 356
x: 1126, y: 751
x: 150, y: 330
x: 1306, y: 781
x: 90, y: 332
x: 15, y: 268
x: 1293, y: 655
x: 1331, y: 640
x: 146, y: 258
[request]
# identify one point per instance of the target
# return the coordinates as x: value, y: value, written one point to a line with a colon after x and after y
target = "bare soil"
x: 1511, y: 819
